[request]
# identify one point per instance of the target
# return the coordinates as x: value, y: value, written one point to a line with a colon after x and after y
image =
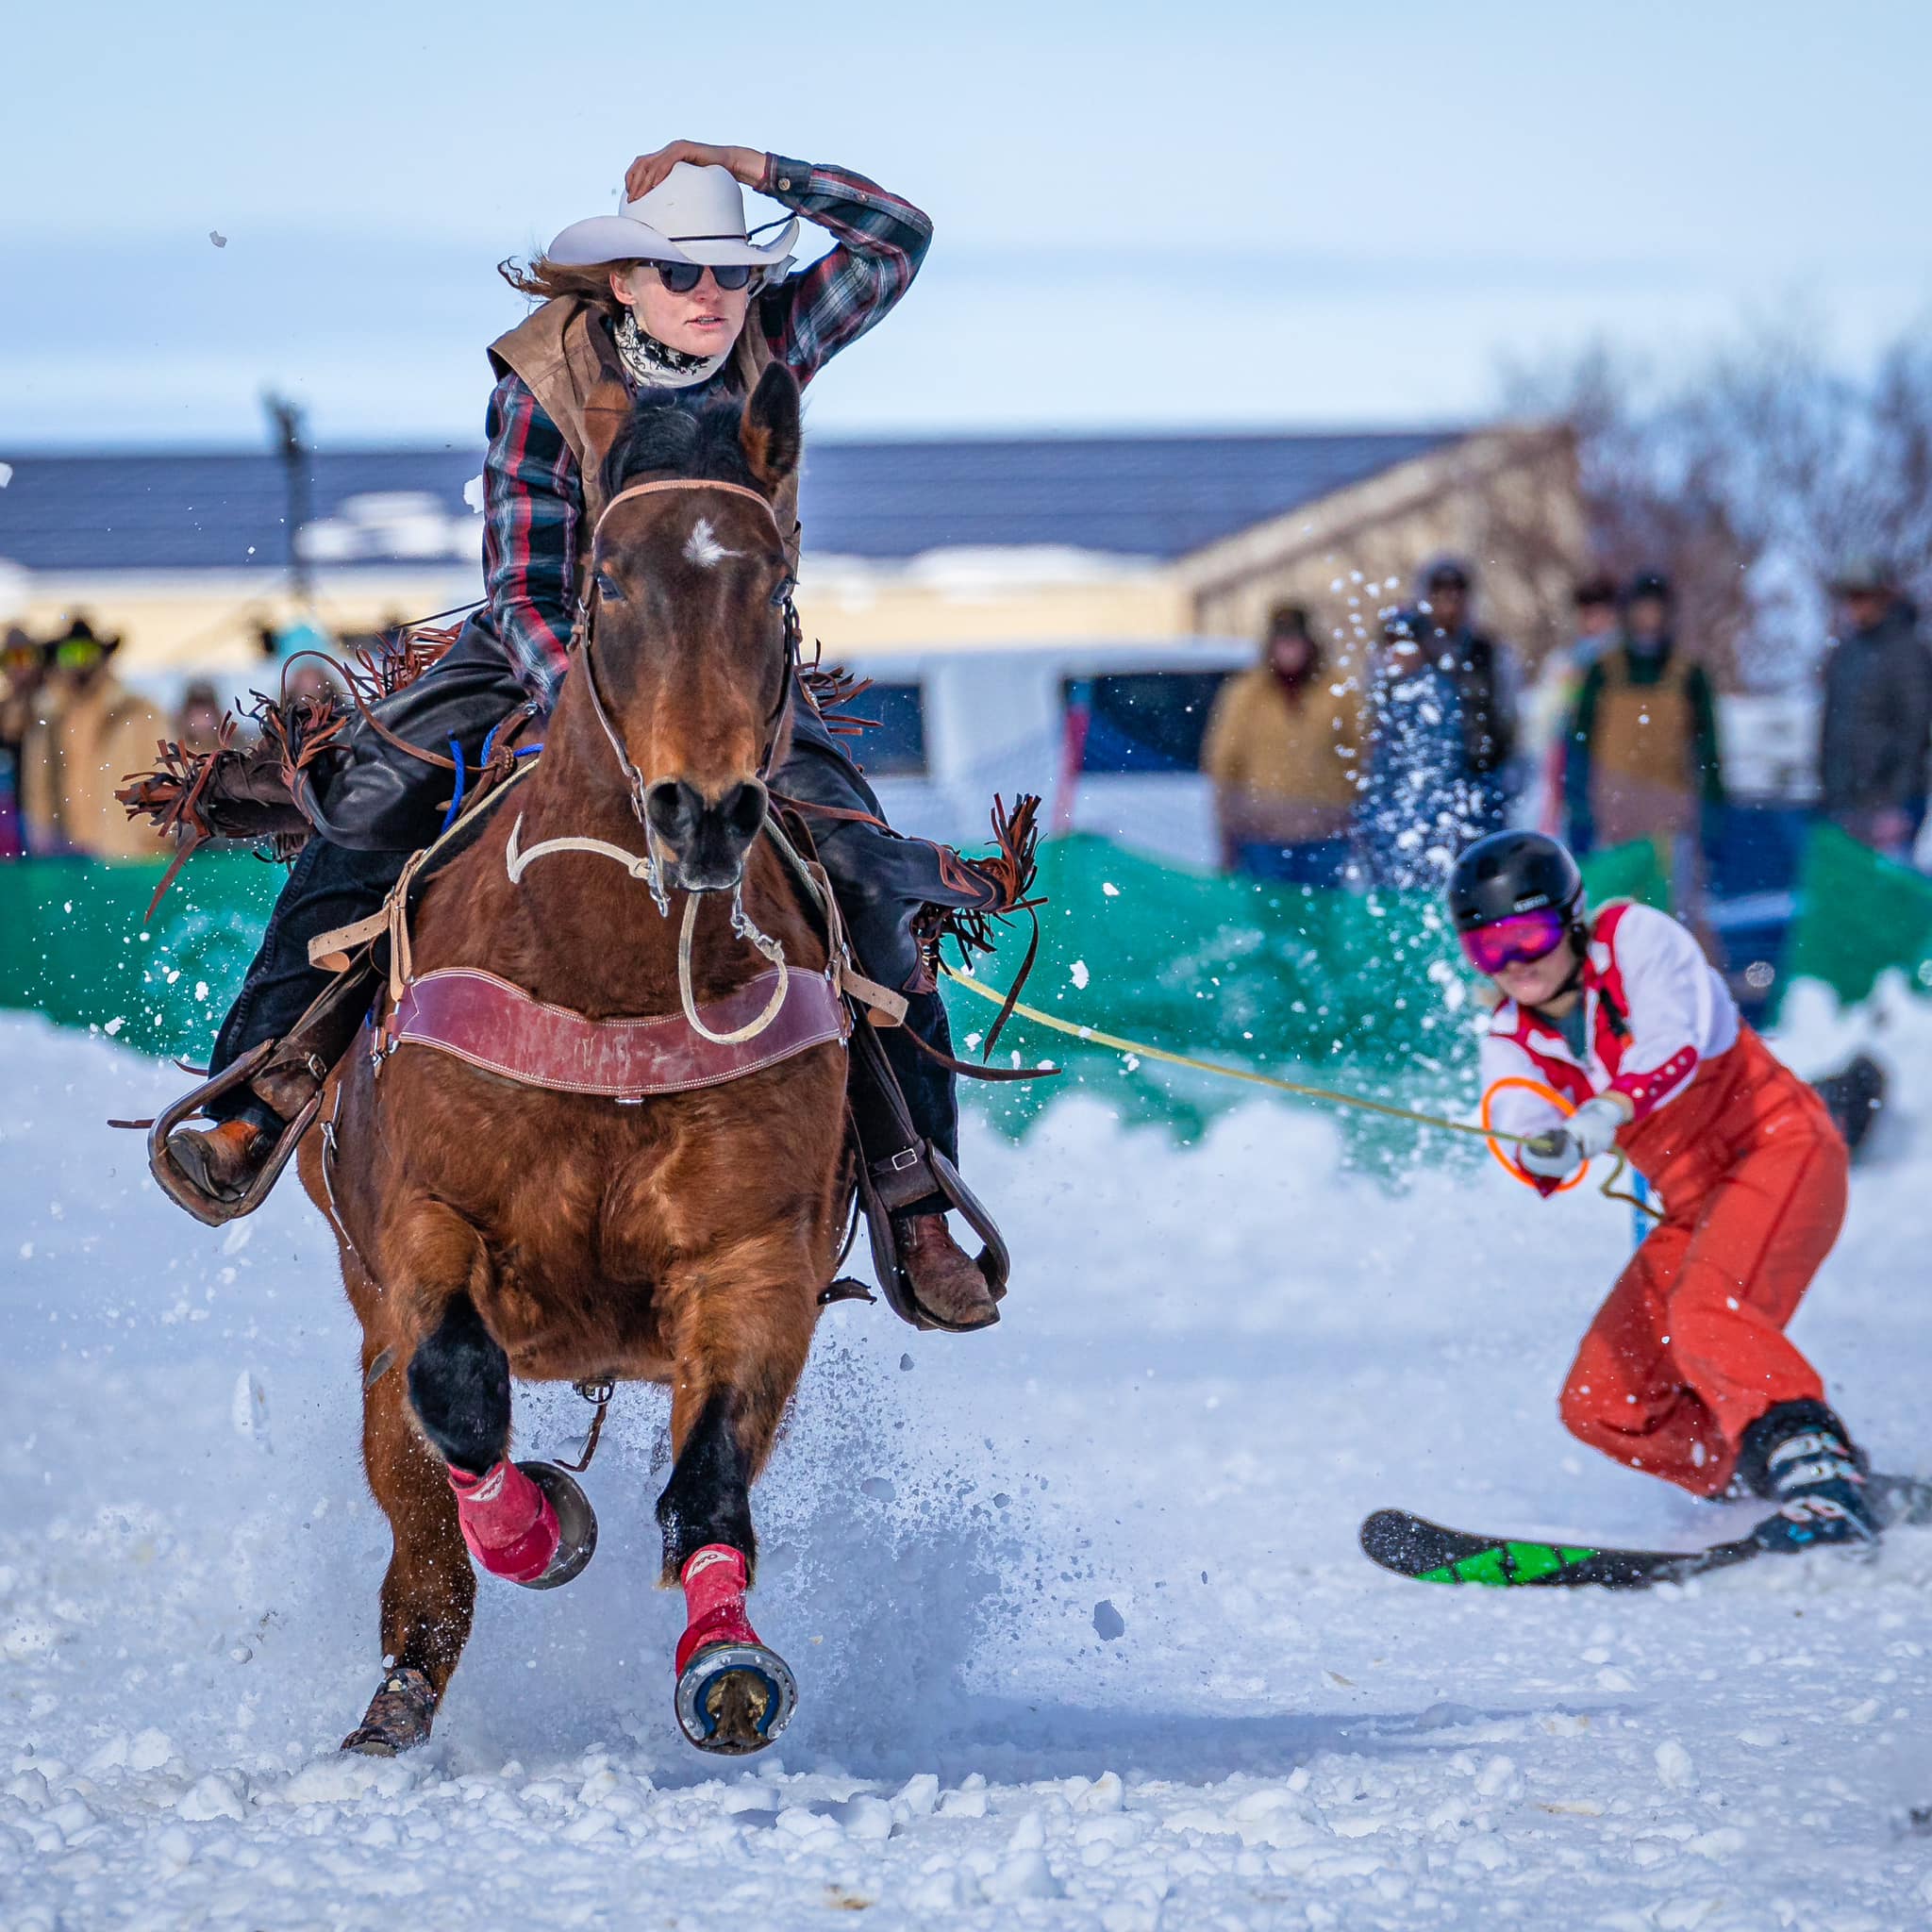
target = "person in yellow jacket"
x: 89, y: 733
x: 1281, y: 747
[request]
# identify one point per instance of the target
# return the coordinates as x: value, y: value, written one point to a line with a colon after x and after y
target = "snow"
x: 1081, y: 1633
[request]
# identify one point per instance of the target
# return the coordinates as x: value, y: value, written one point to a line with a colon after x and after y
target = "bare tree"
x: 1750, y: 481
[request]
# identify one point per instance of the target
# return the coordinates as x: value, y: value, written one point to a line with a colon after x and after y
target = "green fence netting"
x: 1360, y: 992
x: 1859, y: 914
x: 74, y: 944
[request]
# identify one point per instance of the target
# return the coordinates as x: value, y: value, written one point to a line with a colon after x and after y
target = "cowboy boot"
x: 222, y: 1162
x: 222, y: 1173
x: 949, y: 1285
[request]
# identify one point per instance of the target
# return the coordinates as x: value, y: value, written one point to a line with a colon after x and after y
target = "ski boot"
x: 1801, y: 1458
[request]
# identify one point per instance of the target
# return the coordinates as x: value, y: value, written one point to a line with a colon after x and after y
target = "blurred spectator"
x: 1872, y: 743
x: 89, y: 733
x: 310, y: 677
x: 1424, y: 796
x: 280, y: 642
x: 1281, y: 748
x: 22, y: 666
x: 1554, y: 701
x: 198, y: 721
x: 1485, y: 677
x: 1641, y: 760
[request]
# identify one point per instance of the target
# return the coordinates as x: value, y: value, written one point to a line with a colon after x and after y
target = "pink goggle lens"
x: 1515, y: 941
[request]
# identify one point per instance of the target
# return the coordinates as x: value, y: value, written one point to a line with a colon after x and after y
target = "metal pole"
x: 286, y: 435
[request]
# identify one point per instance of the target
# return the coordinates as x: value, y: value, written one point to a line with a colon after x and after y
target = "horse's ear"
x: 608, y: 412
x: 771, y: 432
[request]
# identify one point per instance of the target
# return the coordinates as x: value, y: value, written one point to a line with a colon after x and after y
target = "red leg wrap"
x: 714, y: 1589
x: 506, y: 1521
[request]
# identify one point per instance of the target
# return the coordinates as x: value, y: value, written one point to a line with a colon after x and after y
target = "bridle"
x: 586, y: 631
x: 648, y: 866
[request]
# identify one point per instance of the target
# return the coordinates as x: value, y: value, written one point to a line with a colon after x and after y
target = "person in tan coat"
x: 1281, y: 747
x: 1642, y: 760
x: 89, y: 733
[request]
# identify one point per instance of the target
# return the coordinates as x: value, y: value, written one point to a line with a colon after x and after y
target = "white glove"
x: 1556, y: 1155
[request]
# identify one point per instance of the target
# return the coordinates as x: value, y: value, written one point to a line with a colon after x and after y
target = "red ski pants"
x: 1689, y: 1349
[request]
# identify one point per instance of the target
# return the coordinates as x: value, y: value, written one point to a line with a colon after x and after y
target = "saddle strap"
x: 889, y: 1007
x: 331, y: 950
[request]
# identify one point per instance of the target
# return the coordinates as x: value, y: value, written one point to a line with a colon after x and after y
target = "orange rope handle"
x: 1563, y: 1105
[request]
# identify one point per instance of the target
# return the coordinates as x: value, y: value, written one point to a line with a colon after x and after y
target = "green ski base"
x: 1414, y: 1546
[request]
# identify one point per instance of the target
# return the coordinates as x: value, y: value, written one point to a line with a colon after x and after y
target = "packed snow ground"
x: 1081, y: 1631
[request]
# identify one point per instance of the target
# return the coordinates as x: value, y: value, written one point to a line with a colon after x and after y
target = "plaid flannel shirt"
x: 533, y: 496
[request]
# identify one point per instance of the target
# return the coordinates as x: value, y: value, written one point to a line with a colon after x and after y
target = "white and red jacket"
x: 1655, y: 1013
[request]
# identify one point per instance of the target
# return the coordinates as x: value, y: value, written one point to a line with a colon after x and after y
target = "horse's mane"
x: 665, y: 438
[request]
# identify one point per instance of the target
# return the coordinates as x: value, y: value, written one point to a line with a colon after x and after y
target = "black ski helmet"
x: 1509, y: 873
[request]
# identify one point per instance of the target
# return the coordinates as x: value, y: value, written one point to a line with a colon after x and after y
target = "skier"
x: 1685, y: 1373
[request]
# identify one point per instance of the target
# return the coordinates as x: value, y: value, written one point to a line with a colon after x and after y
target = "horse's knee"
x: 707, y: 1499
x: 459, y: 1387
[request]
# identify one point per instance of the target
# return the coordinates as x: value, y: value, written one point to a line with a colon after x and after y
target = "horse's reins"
x: 649, y: 867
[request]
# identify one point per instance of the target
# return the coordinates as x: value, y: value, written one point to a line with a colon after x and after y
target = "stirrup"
x: 892, y: 1187
x: 176, y: 1184
x: 993, y: 1261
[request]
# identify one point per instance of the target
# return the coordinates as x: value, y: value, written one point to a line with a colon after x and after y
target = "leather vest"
x: 562, y: 351
x: 1645, y: 734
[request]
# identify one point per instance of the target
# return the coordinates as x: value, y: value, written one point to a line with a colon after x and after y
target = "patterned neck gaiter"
x: 652, y: 364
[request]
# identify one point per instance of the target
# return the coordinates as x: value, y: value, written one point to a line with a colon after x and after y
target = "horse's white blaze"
x: 703, y: 548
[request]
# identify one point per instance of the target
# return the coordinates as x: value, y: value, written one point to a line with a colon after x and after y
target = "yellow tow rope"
x: 1096, y: 1037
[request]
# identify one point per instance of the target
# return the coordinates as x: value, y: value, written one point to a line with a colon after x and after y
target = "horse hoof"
x: 735, y: 1698
x: 576, y: 1523
x: 398, y: 1717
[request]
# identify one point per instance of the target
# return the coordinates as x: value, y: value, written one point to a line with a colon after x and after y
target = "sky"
x: 1213, y: 215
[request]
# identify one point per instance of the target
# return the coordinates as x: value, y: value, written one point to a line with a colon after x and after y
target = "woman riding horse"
x: 673, y: 297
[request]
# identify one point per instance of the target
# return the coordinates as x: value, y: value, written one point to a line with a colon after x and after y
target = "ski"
x: 1411, y: 1545
x: 1414, y: 1546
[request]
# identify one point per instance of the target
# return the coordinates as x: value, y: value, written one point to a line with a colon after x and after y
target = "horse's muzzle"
x: 705, y: 841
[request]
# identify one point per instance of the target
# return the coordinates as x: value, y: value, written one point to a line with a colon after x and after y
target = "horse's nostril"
x: 672, y: 807
x: 743, y: 807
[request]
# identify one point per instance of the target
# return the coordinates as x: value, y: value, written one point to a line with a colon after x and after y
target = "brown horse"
x: 490, y: 1229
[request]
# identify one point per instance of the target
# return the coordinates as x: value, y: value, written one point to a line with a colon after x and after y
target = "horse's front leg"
x: 742, y: 1325
x: 429, y: 1590
x: 435, y: 1437
x: 530, y: 1523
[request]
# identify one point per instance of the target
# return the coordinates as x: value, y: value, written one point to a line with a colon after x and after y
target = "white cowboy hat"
x: 694, y: 214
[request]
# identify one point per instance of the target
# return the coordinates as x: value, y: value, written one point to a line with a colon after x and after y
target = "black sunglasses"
x: 681, y: 277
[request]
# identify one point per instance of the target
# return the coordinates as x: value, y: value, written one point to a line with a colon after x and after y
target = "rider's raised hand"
x: 747, y: 164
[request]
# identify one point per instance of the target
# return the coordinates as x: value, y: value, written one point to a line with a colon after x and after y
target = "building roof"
x: 1157, y: 497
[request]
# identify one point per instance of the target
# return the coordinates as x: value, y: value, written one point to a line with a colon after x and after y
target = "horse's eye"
x: 782, y: 595
x: 607, y: 589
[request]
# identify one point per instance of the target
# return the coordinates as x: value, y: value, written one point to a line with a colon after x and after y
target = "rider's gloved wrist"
x: 1594, y: 1126
x: 1556, y: 1155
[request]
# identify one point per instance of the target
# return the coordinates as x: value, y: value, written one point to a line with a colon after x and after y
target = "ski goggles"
x: 1515, y: 941
x: 681, y: 277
